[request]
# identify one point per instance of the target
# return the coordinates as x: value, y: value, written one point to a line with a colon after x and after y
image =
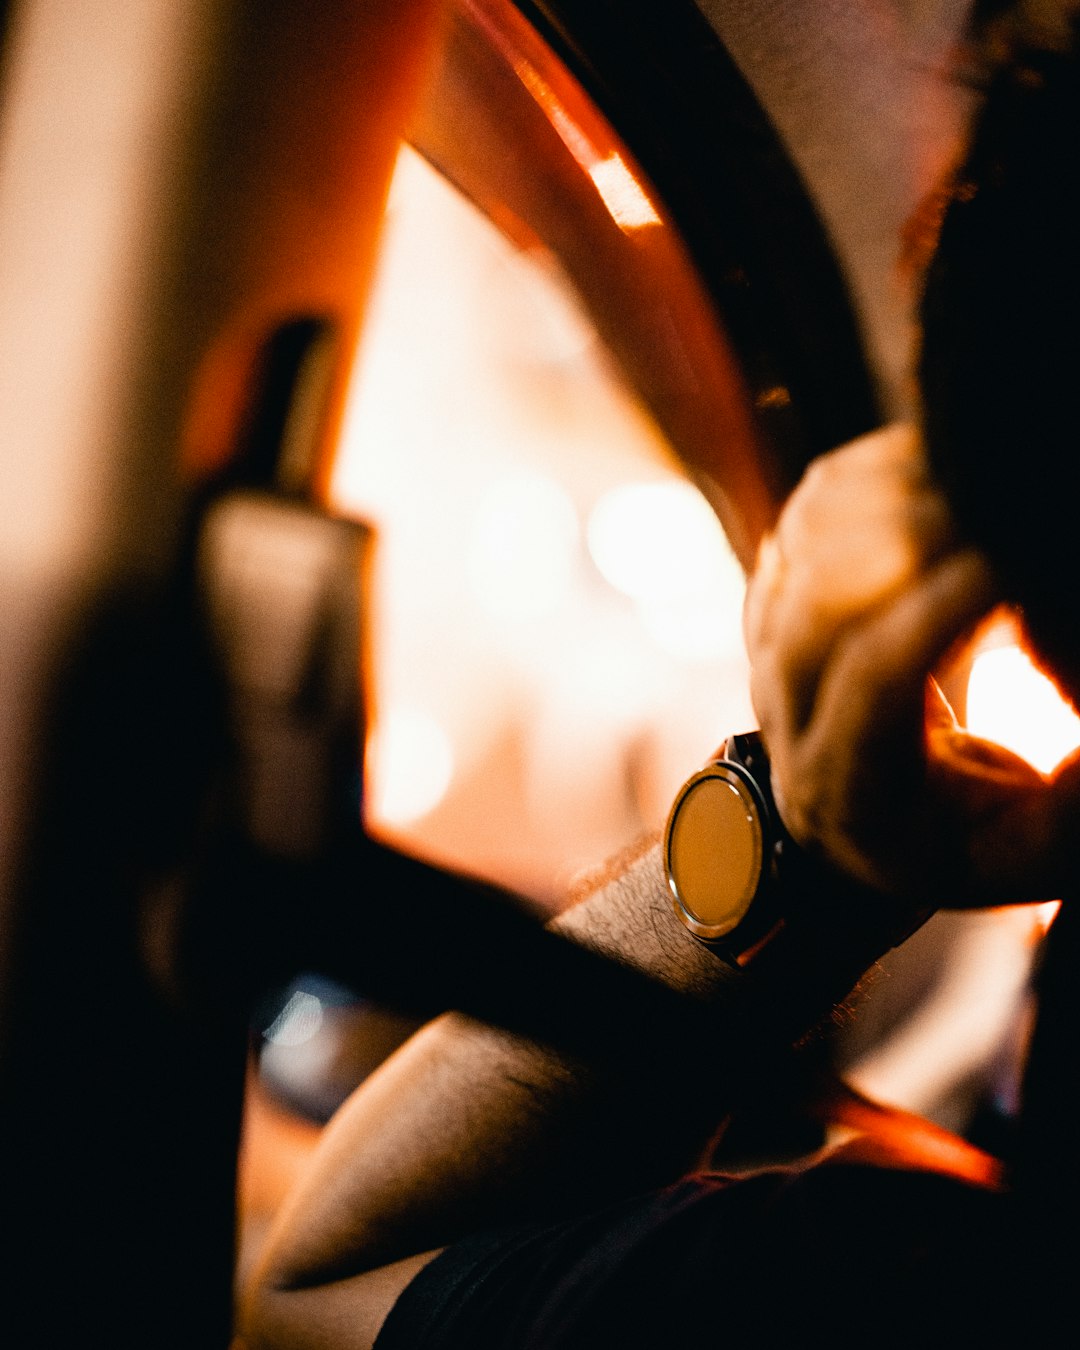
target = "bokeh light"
x: 523, y: 546
x: 411, y: 764
x: 661, y: 545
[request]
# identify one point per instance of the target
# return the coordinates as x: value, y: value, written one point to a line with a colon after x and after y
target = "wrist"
x: 739, y: 881
x: 625, y: 913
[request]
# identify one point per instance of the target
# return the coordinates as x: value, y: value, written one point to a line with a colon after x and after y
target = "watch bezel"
x: 795, y: 890
x: 730, y: 937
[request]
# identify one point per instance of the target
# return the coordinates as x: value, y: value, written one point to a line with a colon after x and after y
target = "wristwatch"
x: 738, y: 879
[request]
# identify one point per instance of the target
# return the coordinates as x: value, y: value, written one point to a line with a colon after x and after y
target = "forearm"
x: 468, y: 1126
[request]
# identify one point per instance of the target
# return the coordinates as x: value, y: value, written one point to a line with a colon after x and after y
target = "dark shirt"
x: 783, y: 1255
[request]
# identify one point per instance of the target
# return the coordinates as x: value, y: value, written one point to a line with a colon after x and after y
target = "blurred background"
x: 557, y: 628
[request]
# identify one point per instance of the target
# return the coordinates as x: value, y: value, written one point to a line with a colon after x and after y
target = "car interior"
x: 394, y: 397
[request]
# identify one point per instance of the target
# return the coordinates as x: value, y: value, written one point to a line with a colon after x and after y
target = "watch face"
x: 714, y: 847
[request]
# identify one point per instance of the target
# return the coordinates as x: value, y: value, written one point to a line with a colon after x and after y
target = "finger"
x: 937, y: 710
x: 875, y: 683
x: 763, y: 586
x: 1031, y: 847
x: 797, y: 614
x: 847, y: 541
x: 776, y: 692
x: 837, y: 492
x: 862, y: 520
x: 860, y: 762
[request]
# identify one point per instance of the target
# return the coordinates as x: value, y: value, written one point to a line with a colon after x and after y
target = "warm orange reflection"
x: 863, y: 1130
x: 1010, y: 701
x: 621, y: 191
x: 507, y: 122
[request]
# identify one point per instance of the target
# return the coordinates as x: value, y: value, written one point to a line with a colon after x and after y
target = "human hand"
x: 861, y: 591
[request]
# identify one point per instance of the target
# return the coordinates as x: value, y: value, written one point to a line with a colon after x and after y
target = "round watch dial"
x: 714, y: 848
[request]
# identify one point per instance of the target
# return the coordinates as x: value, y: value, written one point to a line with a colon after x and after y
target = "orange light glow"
x: 1046, y: 914
x: 1011, y: 702
x: 866, y: 1130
